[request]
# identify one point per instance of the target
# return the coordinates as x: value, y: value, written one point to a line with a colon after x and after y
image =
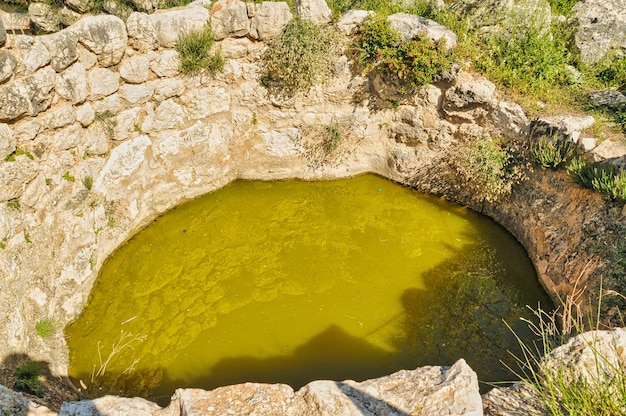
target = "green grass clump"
x: 603, y: 178
x: 301, y: 56
x: 28, y: 378
x: 412, y: 63
x: 332, y: 137
x: 551, y: 152
x: 88, y: 182
x: 195, y: 50
x: 45, y: 328
x: 562, y: 7
x: 18, y: 152
x: 14, y: 204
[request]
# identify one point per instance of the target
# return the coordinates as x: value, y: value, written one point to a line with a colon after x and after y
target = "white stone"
x: 167, y: 115
x: 141, y: 32
x: 588, y: 143
x: 87, y: 58
x: 317, y: 11
x: 200, y: 103
x: 600, y: 25
x: 510, y: 120
x: 235, y: 48
x: 229, y: 18
x: 33, y: 52
x: 38, y: 295
x: 410, y: 26
x: 166, y: 64
x: 127, y: 123
x: 27, y: 130
x: 169, y: 24
x: 60, y: 117
x: 68, y: 137
x: 102, y: 82
x: 97, y: 139
x: 71, y: 84
x: 167, y: 88
x: 269, y: 20
x: 8, y: 63
x: 351, y: 19
x: 104, y: 35
x: 285, y: 142
x: 135, y: 69
x: 85, y: 114
x: 136, y: 94
x: 123, y: 161
x: 111, y: 104
x: 8, y: 142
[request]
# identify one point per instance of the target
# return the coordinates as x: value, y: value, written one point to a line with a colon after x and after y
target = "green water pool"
x: 295, y: 281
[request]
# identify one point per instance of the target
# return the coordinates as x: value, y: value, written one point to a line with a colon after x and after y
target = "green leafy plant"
x: 195, y: 50
x: 551, y: 152
x: 28, y: 378
x: 300, y: 56
x: 18, y: 152
x: 489, y: 169
x: 603, y: 178
x: 45, y: 328
x: 14, y: 204
x: 562, y: 7
x: 332, y: 137
x: 66, y: 176
x: 88, y: 182
x: 27, y: 238
x: 412, y: 63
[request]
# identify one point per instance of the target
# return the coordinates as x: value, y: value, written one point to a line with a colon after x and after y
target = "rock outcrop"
x: 600, y: 26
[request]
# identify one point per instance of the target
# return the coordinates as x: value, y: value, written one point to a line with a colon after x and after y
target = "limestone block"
x: 87, y: 58
x: 104, y: 35
x: 235, y: 48
x: 568, y: 127
x: 410, y: 26
x: 114, y: 406
x: 27, y: 129
x: 28, y: 95
x: 167, y: 115
x: 33, y: 53
x: 111, y: 104
x: 97, y: 139
x: 519, y: 399
x: 481, y: 13
x: 269, y: 20
x: 60, y: 117
x: 167, y: 88
x: 468, y: 94
x: 351, y: 19
x: 166, y: 64
x: 127, y: 123
x: 141, y: 32
x: 8, y: 142
x: 102, y: 82
x: 136, y: 94
x: 229, y: 18
x: 7, y: 65
x: 135, y: 69
x: 44, y: 16
x: 510, y: 120
x: 316, y: 11
x: 15, y: 175
x: 12, y: 403
x: 123, y: 161
x: 85, y: 114
x: 81, y: 6
x: 71, y: 84
x: 285, y: 142
x: 68, y: 137
x: 62, y: 47
x: 170, y: 23
x: 600, y: 25
x: 609, y: 98
x: 588, y: 143
x: 609, y: 150
x: 202, y: 102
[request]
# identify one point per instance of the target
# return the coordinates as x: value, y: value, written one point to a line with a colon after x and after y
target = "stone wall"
x: 100, y: 133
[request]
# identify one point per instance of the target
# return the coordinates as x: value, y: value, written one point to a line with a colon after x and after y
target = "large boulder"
x: 269, y: 20
x: 411, y: 26
x: 104, y: 35
x: 600, y: 26
x: 62, y: 47
x: 169, y: 24
x: 316, y: 11
x: 229, y: 18
x: 114, y: 406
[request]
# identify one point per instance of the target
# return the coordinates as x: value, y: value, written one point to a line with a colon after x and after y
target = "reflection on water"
x: 292, y: 281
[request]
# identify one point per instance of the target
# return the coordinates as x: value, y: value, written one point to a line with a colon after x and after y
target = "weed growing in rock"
x: 66, y: 176
x: 562, y: 7
x: 551, y: 152
x: 410, y: 63
x: 332, y: 137
x: 195, y: 51
x: 28, y: 378
x: 14, y: 204
x: 88, y: 182
x: 301, y: 56
x: 603, y: 178
x: 18, y: 152
x: 3, y: 243
x: 45, y: 328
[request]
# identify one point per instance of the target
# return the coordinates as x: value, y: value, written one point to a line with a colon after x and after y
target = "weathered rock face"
x: 601, y: 26
x: 317, y: 11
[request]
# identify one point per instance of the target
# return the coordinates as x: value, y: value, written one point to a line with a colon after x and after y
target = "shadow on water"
x: 460, y: 314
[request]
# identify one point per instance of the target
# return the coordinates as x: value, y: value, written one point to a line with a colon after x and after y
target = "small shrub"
x: 488, y: 168
x: 332, y: 137
x: 562, y: 7
x: 194, y: 48
x: 551, y: 152
x: 414, y: 63
x: 28, y: 378
x: 300, y: 56
x: 45, y: 328
x: 14, y: 204
x: 605, y: 178
x: 88, y: 182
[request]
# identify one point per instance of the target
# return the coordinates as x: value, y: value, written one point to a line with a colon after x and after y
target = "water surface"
x: 296, y: 281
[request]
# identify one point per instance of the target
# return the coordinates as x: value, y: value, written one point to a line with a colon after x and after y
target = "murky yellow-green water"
x: 295, y: 281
